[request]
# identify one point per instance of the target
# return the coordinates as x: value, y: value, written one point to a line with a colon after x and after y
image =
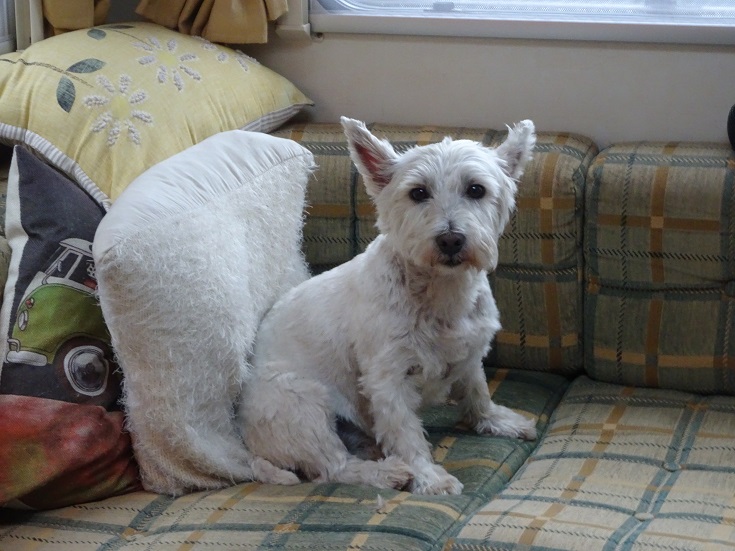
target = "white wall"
x: 609, y: 92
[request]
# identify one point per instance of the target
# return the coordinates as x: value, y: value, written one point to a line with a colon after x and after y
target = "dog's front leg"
x: 484, y: 415
x: 394, y: 402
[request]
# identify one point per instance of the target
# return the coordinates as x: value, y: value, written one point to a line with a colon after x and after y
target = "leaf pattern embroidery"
x: 66, y: 92
x: 89, y: 65
x: 97, y: 34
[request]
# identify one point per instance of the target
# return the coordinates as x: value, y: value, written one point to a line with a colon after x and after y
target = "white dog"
x: 397, y: 327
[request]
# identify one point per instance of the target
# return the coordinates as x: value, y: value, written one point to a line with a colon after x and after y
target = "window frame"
x: 302, y: 20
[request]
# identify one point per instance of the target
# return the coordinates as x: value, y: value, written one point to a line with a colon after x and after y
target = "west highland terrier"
x: 402, y: 325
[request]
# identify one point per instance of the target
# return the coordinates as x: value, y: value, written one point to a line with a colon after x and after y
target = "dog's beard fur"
x: 358, y: 350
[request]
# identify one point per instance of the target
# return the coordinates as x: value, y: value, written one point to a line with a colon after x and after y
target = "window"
x: 7, y: 26
x: 685, y: 21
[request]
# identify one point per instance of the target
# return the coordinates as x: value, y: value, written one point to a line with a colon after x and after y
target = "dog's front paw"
x: 434, y: 480
x: 504, y: 421
x: 394, y: 473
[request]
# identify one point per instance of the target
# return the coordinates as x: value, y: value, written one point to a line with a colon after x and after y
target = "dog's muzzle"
x: 450, y: 244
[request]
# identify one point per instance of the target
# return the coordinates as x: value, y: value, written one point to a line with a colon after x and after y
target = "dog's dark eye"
x: 475, y: 191
x: 419, y: 194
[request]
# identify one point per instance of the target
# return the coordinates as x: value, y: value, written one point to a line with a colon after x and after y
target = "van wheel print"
x: 83, y: 368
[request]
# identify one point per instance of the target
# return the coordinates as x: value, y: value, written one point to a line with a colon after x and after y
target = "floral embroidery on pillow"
x: 222, y: 56
x: 118, y: 109
x: 242, y: 59
x: 170, y: 63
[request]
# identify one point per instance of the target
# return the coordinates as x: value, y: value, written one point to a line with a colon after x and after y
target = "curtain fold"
x: 69, y: 15
x: 225, y: 21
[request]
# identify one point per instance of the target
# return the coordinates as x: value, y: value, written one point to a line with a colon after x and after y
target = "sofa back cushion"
x: 660, y: 266
x: 538, y: 282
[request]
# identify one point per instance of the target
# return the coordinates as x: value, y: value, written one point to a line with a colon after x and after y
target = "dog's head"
x: 446, y: 204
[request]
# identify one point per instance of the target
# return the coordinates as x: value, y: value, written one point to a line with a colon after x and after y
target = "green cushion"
x: 537, y: 283
x: 660, y: 266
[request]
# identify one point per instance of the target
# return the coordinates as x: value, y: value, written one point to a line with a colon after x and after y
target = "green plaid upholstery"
x: 330, y: 232
x: 306, y: 516
x: 537, y: 284
x: 660, y: 266
x: 620, y: 468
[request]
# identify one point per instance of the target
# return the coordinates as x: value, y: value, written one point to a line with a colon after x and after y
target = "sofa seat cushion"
x: 641, y: 468
x: 306, y: 516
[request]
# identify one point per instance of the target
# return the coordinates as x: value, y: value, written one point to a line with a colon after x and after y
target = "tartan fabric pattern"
x: 306, y: 516
x: 660, y: 266
x: 620, y: 468
x: 537, y: 283
x: 330, y: 230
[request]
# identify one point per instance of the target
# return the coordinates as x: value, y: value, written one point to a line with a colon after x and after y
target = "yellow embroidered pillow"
x: 105, y: 104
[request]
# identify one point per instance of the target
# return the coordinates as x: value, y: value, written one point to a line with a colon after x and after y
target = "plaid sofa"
x: 617, y: 294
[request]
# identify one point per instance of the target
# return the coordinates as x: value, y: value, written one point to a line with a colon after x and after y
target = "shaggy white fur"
x: 189, y: 258
x: 398, y: 326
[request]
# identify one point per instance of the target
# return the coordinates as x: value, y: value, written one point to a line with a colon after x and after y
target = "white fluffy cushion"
x: 189, y: 258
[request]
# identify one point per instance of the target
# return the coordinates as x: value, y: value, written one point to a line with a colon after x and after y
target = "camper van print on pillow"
x: 59, y: 384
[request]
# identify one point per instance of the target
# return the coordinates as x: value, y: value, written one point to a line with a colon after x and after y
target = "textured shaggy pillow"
x: 189, y: 258
x: 61, y: 432
x: 105, y: 104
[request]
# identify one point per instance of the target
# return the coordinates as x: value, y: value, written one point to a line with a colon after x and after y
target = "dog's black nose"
x: 450, y: 243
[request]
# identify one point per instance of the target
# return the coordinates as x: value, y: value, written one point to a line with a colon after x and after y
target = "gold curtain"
x: 68, y: 15
x: 227, y: 21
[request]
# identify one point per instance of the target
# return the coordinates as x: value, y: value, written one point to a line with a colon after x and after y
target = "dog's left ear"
x: 375, y: 159
x: 517, y: 148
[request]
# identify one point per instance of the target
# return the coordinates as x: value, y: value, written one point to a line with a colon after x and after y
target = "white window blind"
x: 685, y: 21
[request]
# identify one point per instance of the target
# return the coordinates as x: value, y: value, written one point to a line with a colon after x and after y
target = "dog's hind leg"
x: 391, y: 472
x: 287, y: 421
x: 266, y: 472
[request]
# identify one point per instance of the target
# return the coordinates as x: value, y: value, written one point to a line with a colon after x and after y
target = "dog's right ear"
x: 375, y: 159
x: 517, y: 148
